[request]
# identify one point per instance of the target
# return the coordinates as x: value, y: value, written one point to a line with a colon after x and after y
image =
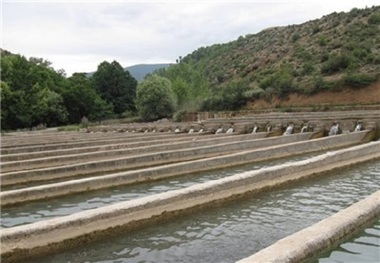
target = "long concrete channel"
x: 77, y: 155
x: 31, y: 140
x: 30, y: 212
x: 114, y: 138
x: 150, y: 159
x: 69, y: 231
x: 138, y: 143
x: 170, y: 170
x: 231, y: 231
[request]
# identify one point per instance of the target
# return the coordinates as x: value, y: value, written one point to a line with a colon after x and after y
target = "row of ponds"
x: 222, y: 234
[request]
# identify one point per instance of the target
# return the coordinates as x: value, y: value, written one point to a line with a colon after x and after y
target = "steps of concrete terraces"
x: 21, y: 242
x: 176, y: 169
x: 77, y: 155
x: 144, y: 160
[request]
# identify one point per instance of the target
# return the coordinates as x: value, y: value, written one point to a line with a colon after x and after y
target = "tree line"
x: 34, y: 94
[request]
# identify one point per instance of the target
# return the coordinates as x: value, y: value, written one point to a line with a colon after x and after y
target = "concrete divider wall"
x: 68, y: 231
x: 116, y: 138
x: 109, y: 144
x: 142, y: 160
x: 164, y: 171
x: 47, y: 160
x: 316, y: 239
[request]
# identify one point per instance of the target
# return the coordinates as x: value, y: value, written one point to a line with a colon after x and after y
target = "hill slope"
x: 336, y: 52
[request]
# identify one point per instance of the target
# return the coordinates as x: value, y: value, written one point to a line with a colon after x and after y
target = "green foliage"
x: 281, y: 81
x: 188, y: 83
x: 320, y: 84
x: 30, y: 93
x: 331, y: 53
x: 358, y: 80
x: 34, y: 94
x: 155, y: 98
x: 322, y: 41
x: 336, y: 63
x: 316, y: 29
x: 115, y: 86
x: 82, y: 100
x: 230, y: 97
x: 295, y: 37
x: 374, y: 19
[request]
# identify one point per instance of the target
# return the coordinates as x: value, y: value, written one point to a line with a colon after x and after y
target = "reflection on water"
x: 42, y: 210
x: 235, y: 231
x: 364, y: 247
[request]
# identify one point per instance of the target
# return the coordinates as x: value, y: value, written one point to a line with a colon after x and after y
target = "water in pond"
x: 234, y: 231
x: 41, y: 210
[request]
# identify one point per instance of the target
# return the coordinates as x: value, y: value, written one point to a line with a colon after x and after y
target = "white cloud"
x: 77, y: 36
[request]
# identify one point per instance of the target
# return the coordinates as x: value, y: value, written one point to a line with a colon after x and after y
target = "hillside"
x: 141, y: 70
x: 340, y: 51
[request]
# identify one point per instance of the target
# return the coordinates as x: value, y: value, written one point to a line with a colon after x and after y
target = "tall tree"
x: 81, y: 100
x: 115, y: 86
x: 31, y: 93
x: 155, y: 98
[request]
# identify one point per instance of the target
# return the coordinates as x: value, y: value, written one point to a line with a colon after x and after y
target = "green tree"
x: 155, y: 98
x: 81, y: 100
x: 116, y: 86
x: 31, y: 93
x: 188, y: 83
x: 48, y: 108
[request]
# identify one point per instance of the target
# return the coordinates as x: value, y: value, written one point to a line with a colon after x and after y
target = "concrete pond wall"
x: 149, y: 159
x: 316, y: 239
x: 155, y: 173
x: 48, y: 236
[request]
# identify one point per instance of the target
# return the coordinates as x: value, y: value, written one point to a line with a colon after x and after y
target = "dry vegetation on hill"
x: 335, y: 55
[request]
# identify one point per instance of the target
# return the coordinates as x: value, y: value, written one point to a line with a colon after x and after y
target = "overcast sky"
x: 78, y: 35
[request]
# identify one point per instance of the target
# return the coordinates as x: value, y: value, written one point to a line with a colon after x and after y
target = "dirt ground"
x: 349, y: 96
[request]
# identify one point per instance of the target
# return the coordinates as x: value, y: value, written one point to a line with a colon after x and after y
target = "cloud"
x: 77, y: 36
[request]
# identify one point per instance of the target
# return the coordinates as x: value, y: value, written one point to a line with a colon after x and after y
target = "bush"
x: 230, y: 97
x: 374, y: 19
x: 358, y: 80
x: 178, y: 116
x: 337, y: 63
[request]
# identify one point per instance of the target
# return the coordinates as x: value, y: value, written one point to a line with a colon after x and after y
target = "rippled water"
x: 41, y: 210
x: 234, y: 231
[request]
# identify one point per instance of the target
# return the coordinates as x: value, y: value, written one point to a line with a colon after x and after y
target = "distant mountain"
x: 141, y: 70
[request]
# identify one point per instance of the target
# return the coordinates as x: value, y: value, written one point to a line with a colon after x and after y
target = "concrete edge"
x: 154, y: 173
x: 142, y: 160
x: 83, y: 227
x: 79, y: 155
x: 313, y: 240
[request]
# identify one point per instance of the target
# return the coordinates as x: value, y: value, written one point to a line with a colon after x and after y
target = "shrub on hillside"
x: 374, y: 19
x: 358, y: 80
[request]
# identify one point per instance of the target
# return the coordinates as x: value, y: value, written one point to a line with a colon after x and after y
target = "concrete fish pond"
x: 47, y: 166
